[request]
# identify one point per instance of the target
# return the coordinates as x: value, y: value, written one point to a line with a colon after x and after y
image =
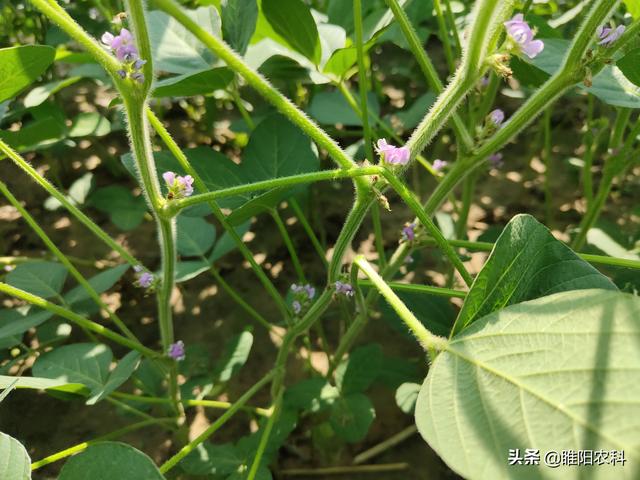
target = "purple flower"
x: 608, y: 35
x: 521, y: 33
x: 125, y: 51
x: 496, y: 117
x: 495, y: 160
x: 176, y: 351
x: 392, y: 155
x: 408, y: 232
x: 345, y: 289
x: 178, y: 186
x: 297, y: 307
x: 145, y: 279
x: 439, y: 165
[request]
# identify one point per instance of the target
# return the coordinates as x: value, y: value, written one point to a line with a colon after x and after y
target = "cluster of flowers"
x: 608, y: 35
x: 392, y: 155
x: 124, y: 49
x: 409, y: 232
x: 303, y: 294
x: 176, y: 351
x: 178, y: 186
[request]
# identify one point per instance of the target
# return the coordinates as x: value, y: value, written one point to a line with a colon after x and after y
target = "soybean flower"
x: 496, y: 117
x: 392, y: 155
x: 439, y: 165
x: 176, y: 351
x: 408, y: 232
x: 178, y: 186
x: 608, y: 35
x: 345, y: 289
x: 145, y: 279
x: 521, y: 33
x: 495, y: 160
x: 125, y: 50
x: 303, y: 294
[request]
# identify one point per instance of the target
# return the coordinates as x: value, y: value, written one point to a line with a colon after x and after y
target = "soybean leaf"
x: 37, y: 383
x: 39, y: 94
x: 187, y: 85
x: 395, y: 371
x: 188, y: 269
x: 125, y: 368
x: 559, y: 372
x: 210, y: 459
x: 109, y: 460
x: 78, y: 192
x: 527, y: 262
x: 330, y: 108
x: 406, y: 396
x: 174, y: 49
x: 15, y: 463
x: 351, y: 417
x: 239, y: 18
x: 14, y: 323
x: 124, y: 209
x: 100, y: 283
x: 633, y: 8
x: 85, y: 363
x: 292, y: 20
x: 89, y: 124
x: 357, y: 373
x: 311, y: 395
x: 21, y: 66
x: 40, y: 133
x: 235, y: 355
x: 195, y: 236
x: 44, y: 279
x: 225, y: 243
x: 610, y: 85
x: 630, y: 65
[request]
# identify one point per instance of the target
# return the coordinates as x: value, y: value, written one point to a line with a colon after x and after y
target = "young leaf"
x: 21, y: 66
x: 44, y: 279
x: 234, y: 357
x: 292, y: 20
x: 85, y: 363
x: 357, y: 373
x: 108, y: 461
x: 351, y: 416
x: 195, y: 236
x: 15, y: 463
x: 239, y: 19
x: 527, y: 262
x: 406, y: 396
x: 630, y: 65
x: 556, y: 373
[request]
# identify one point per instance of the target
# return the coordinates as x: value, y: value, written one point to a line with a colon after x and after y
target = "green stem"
x: 377, y: 229
x: 428, y: 70
x: 411, y: 287
x: 264, y: 438
x: 426, y: 221
x: 428, y: 340
x: 65, y: 261
x: 362, y: 79
x: 136, y: 12
x: 51, y: 190
x: 175, y: 206
x: 239, y: 300
x: 448, y: 12
x: 184, y: 451
x: 444, y: 36
x: 282, y: 228
x: 201, y: 186
x: 260, y: 84
x: 109, y: 436
x: 77, y: 319
x: 307, y: 228
x: 548, y: 197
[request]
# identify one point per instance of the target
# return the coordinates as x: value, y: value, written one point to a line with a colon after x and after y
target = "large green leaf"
x: 15, y: 463
x: 44, y: 279
x: 39, y: 94
x: 21, y: 66
x: 239, y: 19
x: 610, y: 85
x: 210, y: 459
x: 174, y: 49
x: 124, y: 209
x: 435, y: 313
x: 292, y: 20
x: 117, y: 377
x: 331, y: 107
x: 558, y: 373
x: 356, y: 373
x: 100, y: 283
x: 109, y: 460
x: 13, y: 323
x: 527, y: 262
